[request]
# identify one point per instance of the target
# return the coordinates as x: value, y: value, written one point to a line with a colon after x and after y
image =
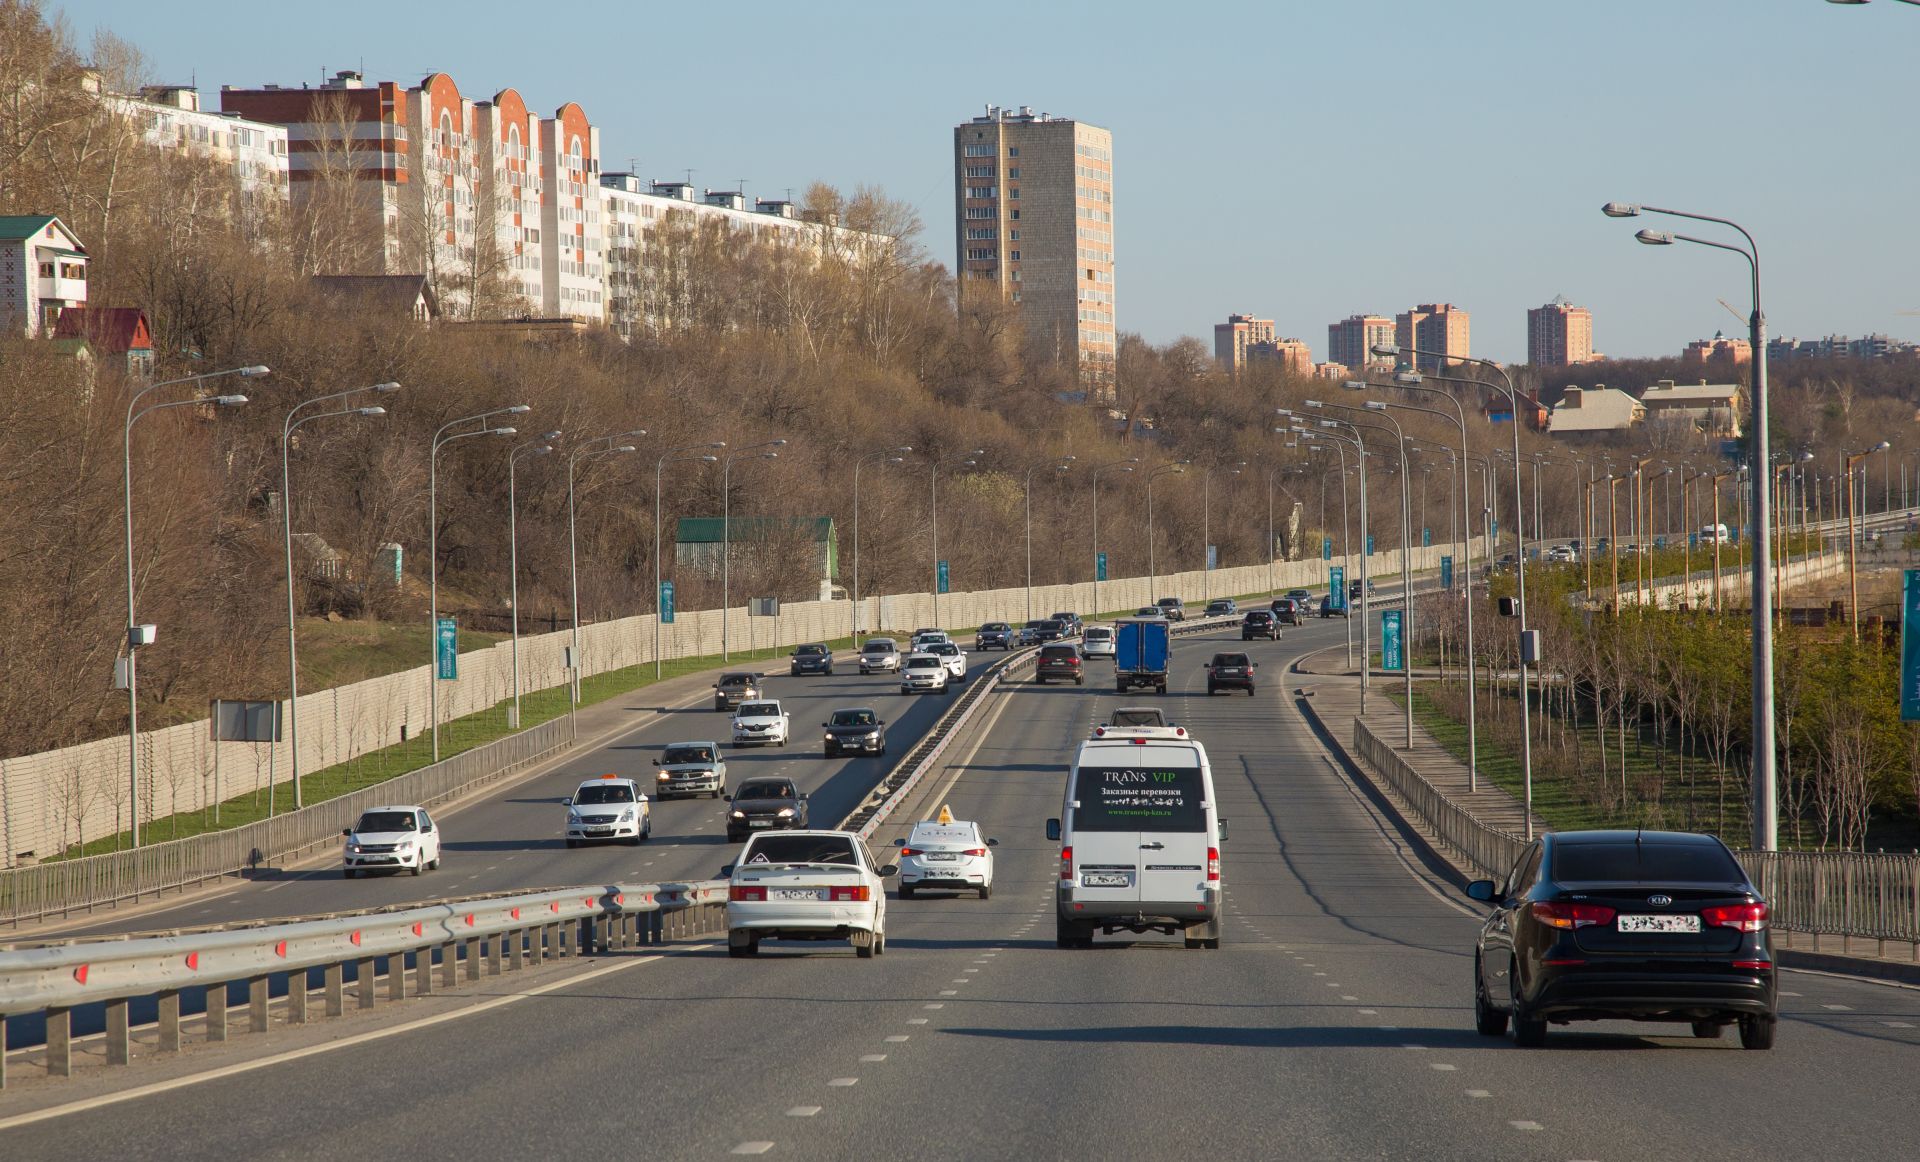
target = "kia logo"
x: 1659, y: 901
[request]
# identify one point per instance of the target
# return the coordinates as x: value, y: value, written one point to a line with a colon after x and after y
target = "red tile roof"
x: 110, y: 330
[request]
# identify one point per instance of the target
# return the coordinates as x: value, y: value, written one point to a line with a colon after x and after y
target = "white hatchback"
x: 391, y: 839
x: 806, y: 885
x: 946, y: 855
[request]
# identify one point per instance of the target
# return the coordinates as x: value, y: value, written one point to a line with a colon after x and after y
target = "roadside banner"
x: 1213, y: 557
x: 1910, y: 647
x: 1369, y: 544
x: 666, y: 602
x: 1391, y: 656
x: 1099, y: 566
x: 1337, y: 586
x: 1446, y: 572
x: 446, y: 650
x: 941, y: 577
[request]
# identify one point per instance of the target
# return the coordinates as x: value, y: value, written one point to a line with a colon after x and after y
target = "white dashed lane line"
x: 1479, y: 1093
x: 843, y: 1082
x: 1525, y: 1125
x: 803, y: 1111
x: 753, y: 1148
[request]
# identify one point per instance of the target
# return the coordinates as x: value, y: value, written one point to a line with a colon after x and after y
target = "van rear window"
x: 1161, y: 797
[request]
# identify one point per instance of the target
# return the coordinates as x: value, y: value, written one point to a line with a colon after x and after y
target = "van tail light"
x: 1562, y: 914
x: 746, y: 893
x: 1066, y: 863
x: 976, y: 852
x: 1745, y: 917
x: 851, y: 894
x: 1213, y: 864
x: 909, y: 851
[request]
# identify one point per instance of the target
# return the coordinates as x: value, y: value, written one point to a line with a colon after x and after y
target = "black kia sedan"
x: 1625, y: 925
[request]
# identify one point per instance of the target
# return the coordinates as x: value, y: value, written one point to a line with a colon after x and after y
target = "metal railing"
x: 462, y: 939
x: 1850, y: 894
x: 64, y: 886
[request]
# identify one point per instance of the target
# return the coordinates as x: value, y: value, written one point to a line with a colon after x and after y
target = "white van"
x: 1713, y: 534
x: 1140, y: 836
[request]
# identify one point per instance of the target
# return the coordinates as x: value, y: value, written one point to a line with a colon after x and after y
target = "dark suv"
x: 995, y: 635
x: 812, y: 658
x: 1070, y: 620
x: 1230, y: 672
x: 1172, y: 609
x: 1287, y: 610
x: 1632, y: 925
x: 1059, y: 660
x: 1051, y: 631
x: 1259, y: 623
x: 733, y: 689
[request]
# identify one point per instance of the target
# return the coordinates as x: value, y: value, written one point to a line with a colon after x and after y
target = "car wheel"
x: 1249, y: 691
x: 347, y: 873
x: 1529, y: 1031
x: 986, y: 891
x: 1708, y: 1030
x: 418, y: 865
x: 864, y: 951
x: 436, y: 860
x: 906, y: 893
x: 572, y: 843
x: 1210, y: 689
x: 635, y: 841
x: 1079, y: 681
x: 1487, y: 1020
x: 1757, y: 1032
x: 1212, y: 943
x: 1038, y: 680
x: 1195, y: 942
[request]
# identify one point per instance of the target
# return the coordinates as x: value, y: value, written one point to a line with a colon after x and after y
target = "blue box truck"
x: 1142, y: 649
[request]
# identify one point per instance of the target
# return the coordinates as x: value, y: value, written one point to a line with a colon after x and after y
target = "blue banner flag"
x: 1099, y: 566
x: 1910, y: 648
x: 941, y: 575
x: 666, y: 602
x: 1326, y: 548
x: 1391, y: 655
x: 446, y: 649
x: 1446, y: 572
x: 1337, y: 586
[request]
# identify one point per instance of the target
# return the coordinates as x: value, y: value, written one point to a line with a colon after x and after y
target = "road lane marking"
x: 843, y: 1082
x: 752, y: 1148
x: 803, y: 1111
x: 897, y: 1037
x: 1898, y: 1024
x: 873, y: 1057
x: 1345, y: 997
x: 949, y: 992
x: 1525, y: 1125
x: 920, y: 1020
x: 1442, y: 1066
x: 933, y: 1006
x: 1838, y: 1008
x: 1369, y: 1012
x: 1479, y: 1093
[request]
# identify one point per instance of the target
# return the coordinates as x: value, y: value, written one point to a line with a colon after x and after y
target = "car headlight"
x: 404, y: 846
x: 786, y: 812
x: 874, y: 737
x: 627, y: 815
x: 662, y: 776
x: 739, y: 814
x: 353, y: 847
x: 573, y: 816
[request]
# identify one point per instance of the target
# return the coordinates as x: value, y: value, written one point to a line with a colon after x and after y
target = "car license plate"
x: 797, y: 894
x: 942, y: 857
x: 1104, y: 880
x: 758, y: 822
x: 1682, y: 924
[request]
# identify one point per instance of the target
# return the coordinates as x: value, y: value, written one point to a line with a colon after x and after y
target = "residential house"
x: 43, y: 271
x: 400, y: 296
x: 1713, y: 409
x: 118, y: 337
x: 1596, y: 410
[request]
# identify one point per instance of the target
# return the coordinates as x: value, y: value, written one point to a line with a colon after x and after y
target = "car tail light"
x: 746, y: 893
x: 851, y: 894
x: 1745, y: 917
x: 1066, y: 863
x: 910, y: 851
x: 1754, y: 965
x: 976, y: 852
x: 1213, y: 864
x: 1561, y: 914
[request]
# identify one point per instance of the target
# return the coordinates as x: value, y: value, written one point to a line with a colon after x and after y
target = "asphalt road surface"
x: 1334, y: 1023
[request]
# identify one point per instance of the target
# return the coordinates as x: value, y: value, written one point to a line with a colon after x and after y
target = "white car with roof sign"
x: 391, y: 839
x: 806, y: 885
x: 608, y: 808
x: 946, y: 853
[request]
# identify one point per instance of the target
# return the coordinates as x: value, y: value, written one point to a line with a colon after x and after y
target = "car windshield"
x: 376, y: 821
x: 759, y: 709
x: 736, y: 680
x: 878, y: 648
x: 944, y: 649
x: 1644, y: 863
x: 923, y: 662
x: 1163, y: 796
x: 1063, y: 617
x: 687, y: 754
x: 806, y: 651
x: 1035, y: 624
x: 771, y: 849
x: 603, y: 793
x: 854, y: 718
x: 1052, y: 625
x: 994, y: 627
x: 764, y: 791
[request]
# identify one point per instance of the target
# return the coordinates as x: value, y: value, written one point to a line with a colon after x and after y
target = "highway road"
x: 1334, y: 1023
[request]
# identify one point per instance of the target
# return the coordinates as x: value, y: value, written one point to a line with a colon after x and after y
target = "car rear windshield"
x: 1157, y: 797
x: 1055, y: 653
x: 377, y: 821
x: 1629, y: 862
x: 770, y: 849
x: 604, y: 793
x: 1138, y: 717
x: 853, y: 718
x: 765, y: 791
x: 1229, y: 659
x: 1099, y: 634
x: 1259, y: 616
x: 687, y: 754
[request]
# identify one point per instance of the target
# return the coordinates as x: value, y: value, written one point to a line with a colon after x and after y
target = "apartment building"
x: 1559, y: 334
x: 1232, y: 338
x: 1294, y: 356
x: 1718, y: 351
x: 169, y: 117
x: 1033, y: 225
x: 1351, y: 341
x: 1441, y: 328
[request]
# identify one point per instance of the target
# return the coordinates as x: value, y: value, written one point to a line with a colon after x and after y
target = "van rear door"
x: 1139, y: 826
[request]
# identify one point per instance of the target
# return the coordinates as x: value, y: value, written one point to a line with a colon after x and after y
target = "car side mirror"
x: 347, y: 831
x: 656, y: 762
x: 1482, y: 890
x: 726, y: 798
x: 1053, y: 830
x: 899, y: 843
x: 881, y: 722
x: 567, y: 802
x: 993, y: 843
x: 888, y: 869
x: 826, y: 724
x: 726, y: 871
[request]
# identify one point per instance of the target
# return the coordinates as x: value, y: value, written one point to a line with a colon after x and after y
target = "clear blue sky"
x: 1300, y: 161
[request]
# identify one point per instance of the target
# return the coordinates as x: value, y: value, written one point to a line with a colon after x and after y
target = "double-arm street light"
x: 887, y: 455
x: 1153, y: 570
x: 597, y: 448
x: 1315, y: 443
x: 1026, y: 499
x: 1853, y: 460
x: 293, y: 421
x: 442, y: 437
x: 540, y: 447
x: 674, y: 456
x: 1093, y: 486
x: 726, y: 530
x: 1766, y: 816
x: 1206, y: 522
x: 1330, y: 431
x: 134, y: 638
x: 933, y: 517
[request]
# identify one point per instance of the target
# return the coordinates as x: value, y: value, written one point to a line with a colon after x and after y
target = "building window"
x: 46, y: 270
x: 1014, y: 255
x: 1014, y: 173
x: 979, y: 150
x: 1013, y: 151
x: 1013, y: 235
x: 1014, y: 193
x: 980, y: 191
x: 1015, y: 214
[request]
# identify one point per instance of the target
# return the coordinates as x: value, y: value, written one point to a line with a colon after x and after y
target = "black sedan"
x: 812, y: 658
x: 995, y: 635
x: 1627, y: 925
x: 1259, y: 623
x: 767, y: 804
x: 855, y: 730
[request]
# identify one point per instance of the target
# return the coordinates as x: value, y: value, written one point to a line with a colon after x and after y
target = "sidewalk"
x: 1330, y: 693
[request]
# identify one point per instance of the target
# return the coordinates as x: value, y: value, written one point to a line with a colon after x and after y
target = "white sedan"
x: 952, y: 656
x: 807, y: 885
x: 391, y: 839
x: 949, y: 855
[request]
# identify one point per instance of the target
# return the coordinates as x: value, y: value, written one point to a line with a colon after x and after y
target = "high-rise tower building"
x: 1232, y: 338
x: 1438, y: 327
x: 1351, y: 341
x: 1033, y: 225
x: 1559, y: 334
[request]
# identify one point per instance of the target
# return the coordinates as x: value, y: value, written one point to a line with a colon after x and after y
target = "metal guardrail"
x: 1850, y: 894
x: 501, y: 933
x: 64, y: 886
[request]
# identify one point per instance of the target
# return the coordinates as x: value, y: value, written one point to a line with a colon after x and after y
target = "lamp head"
x: 229, y: 401
x: 258, y: 370
x: 1882, y: 446
x: 369, y: 411
x: 387, y: 388
x: 1066, y: 460
x: 1385, y: 350
x: 553, y: 435
x: 518, y: 409
x: 506, y: 432
x: 1621, y: 210
x: 707, y: 459
x: 1654, y: 237
x: 718, y: 444
x: 1354, y: 384
x: 1376, y: 405
x: 635, y: 432
x: 1407, y: 377
x: 776, y: 443
x: 890, y: 459
x: 1314, y: 403
x: 621, y: 448
x: 769, y: 455
x: 904, y: 448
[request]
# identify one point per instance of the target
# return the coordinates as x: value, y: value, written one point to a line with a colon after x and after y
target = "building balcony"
x: 70, y: 290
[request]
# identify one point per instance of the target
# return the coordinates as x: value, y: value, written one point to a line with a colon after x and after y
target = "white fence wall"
x: 76, y: 794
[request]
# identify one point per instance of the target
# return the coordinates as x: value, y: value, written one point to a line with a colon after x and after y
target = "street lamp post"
x: 1406, y: 542
x: 540, y: 447
x: 673, y: 456
x: 726, y: 532
x: 133, y: 637
x: 441, y: 438
x: 287, y: 427
x: 1346, y: 524
x: 1206, y: 524
x: 1331, y: 431
x: 933, y: 520
x: 1153, y: 570
x: 1093, y: 487
x: 592, y: 449
x: 890, y: 456
x: 1853, y: 537
x: 1026, y: 502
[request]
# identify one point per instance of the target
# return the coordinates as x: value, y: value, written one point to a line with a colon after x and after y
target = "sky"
x: 1294, y: 161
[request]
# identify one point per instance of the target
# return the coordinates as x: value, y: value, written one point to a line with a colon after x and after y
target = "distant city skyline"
x: 1208, y: 223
